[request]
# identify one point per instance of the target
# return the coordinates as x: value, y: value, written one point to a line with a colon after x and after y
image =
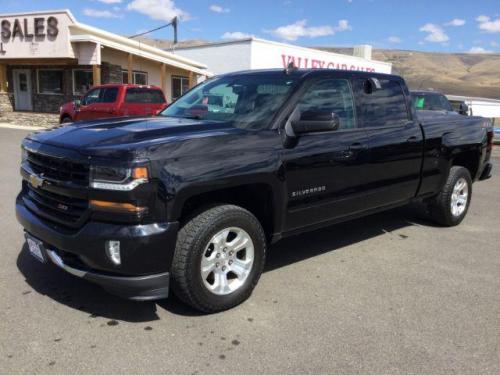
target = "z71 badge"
x: 309, y: 191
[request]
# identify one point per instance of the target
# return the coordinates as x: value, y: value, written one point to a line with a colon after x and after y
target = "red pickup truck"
x: 114, y: 100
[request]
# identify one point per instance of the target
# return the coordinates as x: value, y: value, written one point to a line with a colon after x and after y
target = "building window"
x: 179, y: 86
x: 50, y: 81
x: 138, y: 78
x: 83, y: 80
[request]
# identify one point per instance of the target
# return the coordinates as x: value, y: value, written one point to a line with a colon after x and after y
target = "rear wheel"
x: 219, y: 258
x: 450, y: 206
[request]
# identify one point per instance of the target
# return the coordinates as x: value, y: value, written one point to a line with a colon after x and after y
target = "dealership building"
x: 256, y: 53
x: 49, y: 58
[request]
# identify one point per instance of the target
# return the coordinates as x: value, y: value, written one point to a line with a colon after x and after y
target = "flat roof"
x: 278, y: 44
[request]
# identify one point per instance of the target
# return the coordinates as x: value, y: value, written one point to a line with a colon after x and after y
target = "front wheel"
x: 66, y: 120
x: 450, y: 206
x: 219, y: 258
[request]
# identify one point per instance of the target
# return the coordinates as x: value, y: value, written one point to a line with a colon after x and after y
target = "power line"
x: 173, y: 23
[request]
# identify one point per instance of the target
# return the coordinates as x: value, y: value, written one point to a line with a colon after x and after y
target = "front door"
x: 22, y: 90
x: 325, y: 172
x: 87, y: 109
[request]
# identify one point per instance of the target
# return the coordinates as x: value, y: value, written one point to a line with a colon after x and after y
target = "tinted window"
x: 431, y: 102
x: 144, y: 96
x: 91, y: 97
x: 180, y: 85
x: 82, y: 81
x: 109, y: 95
x: 140, y: 78
x: 330, y: 96
x: 380, y: 107
x: 50, y: 81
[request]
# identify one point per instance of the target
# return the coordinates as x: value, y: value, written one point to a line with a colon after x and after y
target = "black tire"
x: 440, y: 207
x: 66, y: 120
x: 192, y: 240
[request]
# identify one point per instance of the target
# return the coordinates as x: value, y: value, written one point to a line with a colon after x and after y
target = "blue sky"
x: 439, y: 25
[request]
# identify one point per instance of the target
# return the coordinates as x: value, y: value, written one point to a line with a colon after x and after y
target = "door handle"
x: 356, y: 147
x: 351, y: 151
x: 412, y: 139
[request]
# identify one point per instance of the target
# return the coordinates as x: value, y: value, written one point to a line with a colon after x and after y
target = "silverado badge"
x: 36, y: 181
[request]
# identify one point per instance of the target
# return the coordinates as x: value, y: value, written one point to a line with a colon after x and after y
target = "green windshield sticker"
x: 419, y: 103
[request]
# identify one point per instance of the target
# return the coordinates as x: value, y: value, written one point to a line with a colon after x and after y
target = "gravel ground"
x: 387, y: 294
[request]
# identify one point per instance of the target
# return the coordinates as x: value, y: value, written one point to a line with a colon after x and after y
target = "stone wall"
x: 5, y: 102
x: 111, y: 73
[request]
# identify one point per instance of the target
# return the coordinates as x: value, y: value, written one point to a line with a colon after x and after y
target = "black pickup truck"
x: 191, y: 198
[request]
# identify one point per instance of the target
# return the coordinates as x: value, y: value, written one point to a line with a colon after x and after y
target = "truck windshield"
x: 249, y: 101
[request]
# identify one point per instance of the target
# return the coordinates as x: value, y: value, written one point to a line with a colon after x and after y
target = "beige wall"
x: 153, y: 68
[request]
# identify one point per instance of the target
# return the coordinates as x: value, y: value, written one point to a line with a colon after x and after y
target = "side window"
x: 385, y: 106
x: 445, y: 103
x: 91, y: 97
x: 330, y: 96
x: 109, y: 95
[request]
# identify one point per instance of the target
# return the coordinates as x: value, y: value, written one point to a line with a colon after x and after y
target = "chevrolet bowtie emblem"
x: 36, y: 181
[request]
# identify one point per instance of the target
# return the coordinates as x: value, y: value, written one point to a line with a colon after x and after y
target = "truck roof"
x: 313, y: 72
x: 127, y: 85
x: 425, y: 92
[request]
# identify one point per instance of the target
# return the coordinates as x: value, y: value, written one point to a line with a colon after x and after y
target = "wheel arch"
x: 470, y: 160
x: 259, y: 198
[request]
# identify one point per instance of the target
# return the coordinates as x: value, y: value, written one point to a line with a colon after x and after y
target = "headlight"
x: 123, y: 179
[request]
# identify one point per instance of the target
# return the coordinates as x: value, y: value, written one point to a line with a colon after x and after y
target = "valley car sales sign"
x: 278, y: 55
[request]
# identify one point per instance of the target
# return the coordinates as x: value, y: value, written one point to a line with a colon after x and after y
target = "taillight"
x: 488, y: 125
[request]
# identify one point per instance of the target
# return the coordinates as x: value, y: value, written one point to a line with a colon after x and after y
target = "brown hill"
x: 451, y: 73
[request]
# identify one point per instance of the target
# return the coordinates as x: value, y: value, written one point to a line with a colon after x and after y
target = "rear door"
x: 395, y: 141
x: 325, y: 172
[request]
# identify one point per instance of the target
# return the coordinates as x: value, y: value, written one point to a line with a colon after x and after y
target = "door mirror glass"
x: 316, y: 121
x: 463, y: 109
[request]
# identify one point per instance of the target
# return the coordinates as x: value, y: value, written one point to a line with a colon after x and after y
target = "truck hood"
x: 121, y: 133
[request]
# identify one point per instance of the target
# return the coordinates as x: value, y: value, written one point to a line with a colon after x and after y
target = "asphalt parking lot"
x: 387, y: 294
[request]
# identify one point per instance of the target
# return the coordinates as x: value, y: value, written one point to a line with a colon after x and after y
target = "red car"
x: 114, y: 100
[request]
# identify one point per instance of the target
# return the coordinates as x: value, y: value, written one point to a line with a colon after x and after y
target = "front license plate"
x: 36, y: 248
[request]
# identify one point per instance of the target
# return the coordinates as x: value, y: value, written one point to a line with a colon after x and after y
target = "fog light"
x: 113, y: 251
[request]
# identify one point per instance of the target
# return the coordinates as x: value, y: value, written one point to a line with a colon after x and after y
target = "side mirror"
x: 315, y: 121
x: 77, y: 103
x: 463, y: 109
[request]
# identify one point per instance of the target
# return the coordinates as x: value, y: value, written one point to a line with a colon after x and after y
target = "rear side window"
x: 431, y: 102
x: 330, y: 96
x: 144, y: 96
x: 385, y: 106
x: 109, y: 95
